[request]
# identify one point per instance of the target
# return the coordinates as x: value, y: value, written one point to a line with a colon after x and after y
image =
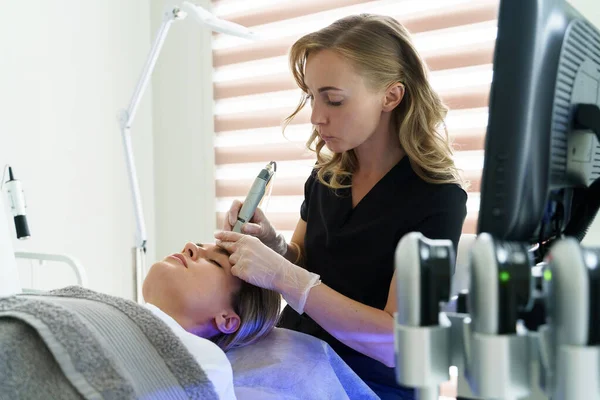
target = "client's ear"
x: 227, y: 322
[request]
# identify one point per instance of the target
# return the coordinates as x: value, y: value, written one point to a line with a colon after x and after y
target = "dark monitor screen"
x: 546, y: 63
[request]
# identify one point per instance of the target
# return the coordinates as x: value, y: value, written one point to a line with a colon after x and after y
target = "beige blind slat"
x: 287, y: 221
x: 465, y: 140
x: 464, y: 57
x: 287, y: 10
x: 250, y: 105
x: 239, y: 187
x: 295, y: 186
x: 441, y: 18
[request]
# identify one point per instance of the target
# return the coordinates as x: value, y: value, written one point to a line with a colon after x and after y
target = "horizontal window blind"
x: 254, y: 90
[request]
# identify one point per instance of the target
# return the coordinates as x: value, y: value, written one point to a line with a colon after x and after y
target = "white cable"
x: 6, y: 167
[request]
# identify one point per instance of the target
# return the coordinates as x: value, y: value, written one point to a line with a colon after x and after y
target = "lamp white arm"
x: 218, y: 25
x: 170, y: 14
x: 126, y: 117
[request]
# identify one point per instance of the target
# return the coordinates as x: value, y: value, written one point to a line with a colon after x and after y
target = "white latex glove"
x: 259, y: 265
x: 258, y: 226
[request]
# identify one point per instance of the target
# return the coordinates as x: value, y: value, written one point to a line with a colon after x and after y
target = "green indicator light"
x: 547, y: 275
x: 504, y: 276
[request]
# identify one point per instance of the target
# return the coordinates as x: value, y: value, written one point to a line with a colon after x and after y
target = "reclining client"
x: 74, y: 343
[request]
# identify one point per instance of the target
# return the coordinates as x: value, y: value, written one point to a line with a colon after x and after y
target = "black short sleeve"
x: 447, y: 217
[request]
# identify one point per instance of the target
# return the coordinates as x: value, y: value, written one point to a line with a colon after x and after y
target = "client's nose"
x: 191, y: 250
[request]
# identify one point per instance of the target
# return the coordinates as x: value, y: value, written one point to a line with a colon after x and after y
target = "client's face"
x: 195, y: 287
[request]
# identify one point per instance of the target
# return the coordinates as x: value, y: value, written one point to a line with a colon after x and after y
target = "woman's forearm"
x: 365, y: 329
x: 294, y: 254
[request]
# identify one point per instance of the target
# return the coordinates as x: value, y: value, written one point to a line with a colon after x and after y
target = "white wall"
x: 66, y: 67
x: 183, y: 134
x: 590, y: 10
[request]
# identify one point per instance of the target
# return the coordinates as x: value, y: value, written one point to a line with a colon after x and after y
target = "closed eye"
x: 311, y: 99
x: 216, y: 263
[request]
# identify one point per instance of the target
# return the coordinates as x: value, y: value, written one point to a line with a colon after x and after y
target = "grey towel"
x: 75, y: 343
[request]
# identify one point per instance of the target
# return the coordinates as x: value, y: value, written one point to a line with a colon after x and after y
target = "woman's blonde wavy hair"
x: 381, y: 50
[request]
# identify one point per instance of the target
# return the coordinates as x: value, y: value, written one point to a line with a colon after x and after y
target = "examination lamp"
x: 126, y: 116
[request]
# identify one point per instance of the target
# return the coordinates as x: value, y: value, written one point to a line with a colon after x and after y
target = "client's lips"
x: 181, y: 258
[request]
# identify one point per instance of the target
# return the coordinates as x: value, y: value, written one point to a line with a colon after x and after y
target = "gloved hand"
x: 258, y: 226
x: 259, y: 265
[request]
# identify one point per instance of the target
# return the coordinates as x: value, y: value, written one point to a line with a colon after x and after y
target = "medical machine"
x: 570, y: 342
x: 424, y: 270
x: 541, y: 149
x: 126, y: 116
x: 527, y: 327
x: 255, y: 195
x: 10, y: 279
x: 9, y: 274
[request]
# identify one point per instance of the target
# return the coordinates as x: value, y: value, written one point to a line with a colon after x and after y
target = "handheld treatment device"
x: 255, y: 195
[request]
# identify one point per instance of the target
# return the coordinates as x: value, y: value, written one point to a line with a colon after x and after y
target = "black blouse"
x: 352, y: 249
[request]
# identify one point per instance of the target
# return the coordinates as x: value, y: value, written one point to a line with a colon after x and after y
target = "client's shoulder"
x: 210, y: 357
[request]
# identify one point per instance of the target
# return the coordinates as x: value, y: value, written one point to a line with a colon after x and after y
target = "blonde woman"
x: 384, y: 168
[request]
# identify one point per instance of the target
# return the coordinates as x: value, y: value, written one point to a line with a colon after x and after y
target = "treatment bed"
x: 75, y: 343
